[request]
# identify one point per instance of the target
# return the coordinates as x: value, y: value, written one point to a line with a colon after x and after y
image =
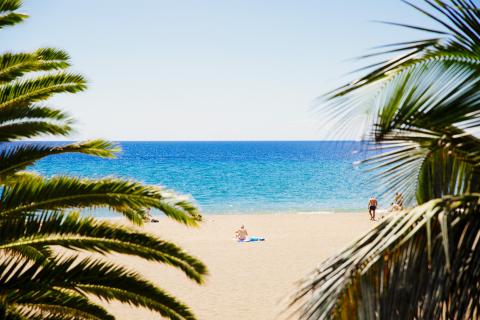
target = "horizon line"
x: 114, y: 140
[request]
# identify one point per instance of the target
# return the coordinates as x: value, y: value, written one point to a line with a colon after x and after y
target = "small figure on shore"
x: 394, y: 207
x: 372, y: 206
x: 148, y: 217
x: 241, y: 234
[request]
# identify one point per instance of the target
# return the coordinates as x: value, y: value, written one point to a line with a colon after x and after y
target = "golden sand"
x: 247, y: 280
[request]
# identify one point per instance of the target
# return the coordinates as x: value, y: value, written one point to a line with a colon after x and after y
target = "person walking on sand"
x: 372, y: 206
x: 241, y: 234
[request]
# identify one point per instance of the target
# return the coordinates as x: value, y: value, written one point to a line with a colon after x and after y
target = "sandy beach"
x: 247, y: 280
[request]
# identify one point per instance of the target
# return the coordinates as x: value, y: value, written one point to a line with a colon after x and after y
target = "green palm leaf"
x: 28, y: 112
x: 403, y: 268
x: 31, y: 129
x: 13, y: 160
x: 421, y: 107
x: 40, y: 88
x: 32, y: 194
x: 34, y: 282
x: 421, y: 119
x: 459, y: 23
x: 59, y: 304
x: 88, y: 276
x: 422, y: 112
x: 15, y: 65
x: 8, y: 16
x: 29, y: 235
x: 23, y: 120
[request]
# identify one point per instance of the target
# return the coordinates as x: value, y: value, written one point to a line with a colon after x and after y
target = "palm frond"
x: 35, y: 283
x: 460, y: 17
x: 420, y: 116
x: 8, y: 311
x: 385, y: 100
x: 24, y: 120
x: 8, y: 14
x: 40, y: 88
x: 31, y: 129
x: 15, y: 65
x: 9, y: 5
x: 88, y: 276
x: 28, y: 112
x: 56, y: 304
x: 427, y: 167
x: 422, y: 109
x: 18, y: 158
x: 60, y: 304
x: 29, y: 235
x: 460, y: 23
x: 418, y: 264
x: 32, y: 194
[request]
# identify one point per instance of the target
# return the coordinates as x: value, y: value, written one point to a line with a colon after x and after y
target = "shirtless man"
x: 241, y: 234
x: 372, y: 206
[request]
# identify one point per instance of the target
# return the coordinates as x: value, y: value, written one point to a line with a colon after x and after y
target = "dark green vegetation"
x: 36, y: 213
x: 423, y: 113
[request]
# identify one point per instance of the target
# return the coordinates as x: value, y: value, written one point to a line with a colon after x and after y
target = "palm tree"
x: 38, y: 214
x: 422, y: 109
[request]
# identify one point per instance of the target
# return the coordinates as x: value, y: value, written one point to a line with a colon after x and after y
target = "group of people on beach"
x: 396, y: 205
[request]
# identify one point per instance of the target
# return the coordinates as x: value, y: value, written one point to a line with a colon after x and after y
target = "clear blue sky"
x: 206, y: 70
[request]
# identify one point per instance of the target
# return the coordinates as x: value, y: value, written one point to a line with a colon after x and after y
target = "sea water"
x: 238, y: 177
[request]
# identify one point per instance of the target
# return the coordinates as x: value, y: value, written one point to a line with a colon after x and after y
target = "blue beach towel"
x: 252, y: 239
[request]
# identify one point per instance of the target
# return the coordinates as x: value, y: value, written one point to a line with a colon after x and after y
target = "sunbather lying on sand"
x: 395, y: 207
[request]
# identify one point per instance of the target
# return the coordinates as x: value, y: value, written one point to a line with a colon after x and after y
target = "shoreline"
x: 205, y: 215
x: 247, y: 280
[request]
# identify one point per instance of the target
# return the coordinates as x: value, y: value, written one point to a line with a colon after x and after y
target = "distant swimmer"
x: 372, y: 206
x: 241, y: 234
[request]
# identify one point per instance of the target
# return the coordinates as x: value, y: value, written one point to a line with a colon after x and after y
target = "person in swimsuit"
x: 241, y: 234
x: 372, y: 206
x: 148, y: 217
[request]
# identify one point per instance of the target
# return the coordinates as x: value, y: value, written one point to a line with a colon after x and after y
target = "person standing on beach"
x: 372, y: 206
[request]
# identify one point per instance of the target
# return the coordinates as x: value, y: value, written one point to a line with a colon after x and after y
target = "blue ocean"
x: 238, y: 177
